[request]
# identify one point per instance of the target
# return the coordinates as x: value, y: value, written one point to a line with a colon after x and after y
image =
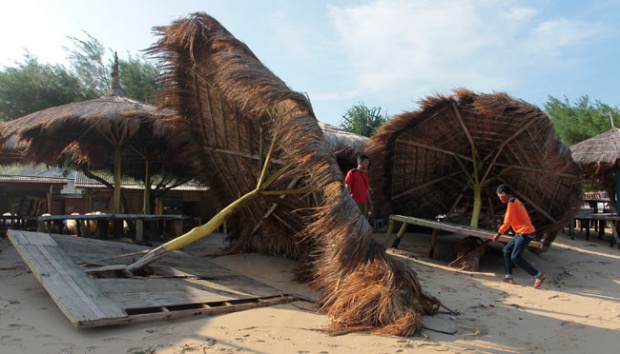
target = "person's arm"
x: 369, y: 201
x: 510, y: 212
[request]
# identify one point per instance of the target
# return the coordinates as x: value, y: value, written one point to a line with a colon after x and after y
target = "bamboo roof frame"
x: 423, y: 161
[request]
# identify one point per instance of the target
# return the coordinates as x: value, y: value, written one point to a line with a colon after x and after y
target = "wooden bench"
x: 45, y: 222
x: 436, y: 226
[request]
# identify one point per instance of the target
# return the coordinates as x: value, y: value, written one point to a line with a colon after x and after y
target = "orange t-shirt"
x: 516, y: 217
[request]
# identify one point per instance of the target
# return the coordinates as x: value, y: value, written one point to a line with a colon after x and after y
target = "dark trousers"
x: 513, y: 252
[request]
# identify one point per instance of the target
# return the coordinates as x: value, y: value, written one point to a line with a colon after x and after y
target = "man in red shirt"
x: 358, y: 185
x: 516, y: 217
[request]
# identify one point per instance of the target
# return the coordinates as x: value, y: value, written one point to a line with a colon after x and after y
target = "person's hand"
x: 496, y: 236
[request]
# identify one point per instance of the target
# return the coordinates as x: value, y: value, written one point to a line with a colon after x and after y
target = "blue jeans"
x: 513, y: 251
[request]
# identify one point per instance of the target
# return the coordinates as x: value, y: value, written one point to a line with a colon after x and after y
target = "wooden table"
x: 45, y: 222
x: 601, y: 219
x: 442, y: 225
x: 16, y: 222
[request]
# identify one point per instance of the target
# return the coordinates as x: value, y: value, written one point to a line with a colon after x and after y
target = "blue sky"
x: 382, y: 53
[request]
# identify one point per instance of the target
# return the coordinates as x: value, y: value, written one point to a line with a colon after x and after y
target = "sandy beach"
x: 577, y: 309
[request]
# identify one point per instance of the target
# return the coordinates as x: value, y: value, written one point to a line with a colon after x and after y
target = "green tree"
x: 362, y: 120
x: 86, y: 60
x: 32, y: 86
x: 138, y: 77
x: 581, y: 120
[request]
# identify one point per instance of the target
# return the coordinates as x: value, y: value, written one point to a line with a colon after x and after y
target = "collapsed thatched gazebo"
x: 599, y: 159
x: 103, y: 133
x: 258, y: 145
x: 448, y: 157
x: 346, y: 146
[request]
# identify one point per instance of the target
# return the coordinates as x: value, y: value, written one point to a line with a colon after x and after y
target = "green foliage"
x: 87, y: 62
x: 139, y: 78
x: 32, y: 86
x: 581, y: 121
x: 362, y: 120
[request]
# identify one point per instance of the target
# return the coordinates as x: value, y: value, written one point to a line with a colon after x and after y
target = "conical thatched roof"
x: 99, y: 122
x: 236, y: 109
x: 423, y: 161
x: 102, y: 133
x: 599, y: 157
x: 598, y: 153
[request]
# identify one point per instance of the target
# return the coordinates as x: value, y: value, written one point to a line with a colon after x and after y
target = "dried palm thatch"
x: 346, y: 146
x: 102, y: 133
x: 599, y: 159
x: 435, y: 160
x: 254, y: 137
x: 12, y: 150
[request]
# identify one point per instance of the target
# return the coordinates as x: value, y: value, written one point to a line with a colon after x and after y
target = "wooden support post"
x: 389, y: 233
x: 139, y: 230
x: 400, y: 234
x: 431, y: 252
x: 614, y: 235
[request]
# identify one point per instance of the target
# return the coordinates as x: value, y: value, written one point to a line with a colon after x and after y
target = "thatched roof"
x: 235, y: 109
x: 423, y: 161
x: 346, y: 146
x: 12, y: 151
x: 100, y: 122
x: 599, y: 157
x: 601, y: 152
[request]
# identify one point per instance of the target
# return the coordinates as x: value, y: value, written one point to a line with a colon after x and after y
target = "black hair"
x: 504, y: 188
x: 362, y: 158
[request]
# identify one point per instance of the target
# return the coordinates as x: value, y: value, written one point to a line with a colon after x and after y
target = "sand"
x: 577, y: 309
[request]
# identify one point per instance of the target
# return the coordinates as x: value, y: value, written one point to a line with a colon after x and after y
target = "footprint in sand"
x: 17, y: 326
x: 568, y: 324
x: 59, y: 347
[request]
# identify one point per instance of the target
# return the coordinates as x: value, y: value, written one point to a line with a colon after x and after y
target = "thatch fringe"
x: 234, y: 108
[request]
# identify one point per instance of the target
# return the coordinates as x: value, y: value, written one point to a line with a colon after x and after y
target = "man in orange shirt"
x: 516, y: 217
x: 358, y: 185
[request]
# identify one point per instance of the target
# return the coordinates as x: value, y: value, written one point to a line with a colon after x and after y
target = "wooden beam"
x: 459, y: 229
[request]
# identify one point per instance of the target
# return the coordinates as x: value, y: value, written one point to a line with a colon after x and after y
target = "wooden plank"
x: 455, y: 228
x: 165, y: 313
x: 107, y: 298
x: 73, y: 291
x: 148, y: 292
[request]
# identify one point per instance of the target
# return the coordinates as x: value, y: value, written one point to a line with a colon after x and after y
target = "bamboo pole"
x: 206, y: 229
x: 193, y: 235
x: 116, y: 197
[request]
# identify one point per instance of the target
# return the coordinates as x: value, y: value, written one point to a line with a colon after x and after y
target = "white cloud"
x: 555, y: 35
x: 484, y: 45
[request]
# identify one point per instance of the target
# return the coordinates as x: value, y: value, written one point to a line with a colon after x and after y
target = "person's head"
x: 363, y: 162
x: 504, y: 192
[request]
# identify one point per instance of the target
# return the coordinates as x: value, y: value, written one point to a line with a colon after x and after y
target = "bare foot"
x: 509, y: 281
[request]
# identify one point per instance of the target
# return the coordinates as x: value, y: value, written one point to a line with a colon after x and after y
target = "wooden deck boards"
x: 181, y: 285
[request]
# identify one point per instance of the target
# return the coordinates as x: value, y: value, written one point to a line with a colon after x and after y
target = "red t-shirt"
x: 358, y: 182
